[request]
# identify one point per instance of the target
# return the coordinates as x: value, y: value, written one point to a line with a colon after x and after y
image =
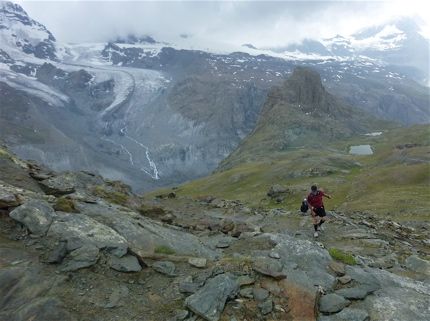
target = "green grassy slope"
x: 394, y: 180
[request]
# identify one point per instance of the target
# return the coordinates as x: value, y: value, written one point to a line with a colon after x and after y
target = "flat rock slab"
x: 80, y: 230
x: 332, y: 303
x: 127, y: 263
x: 165, y: 267
x: 209, y: 301
x: 36, y: 215
x: 347, y: 314
x: 146, y: 235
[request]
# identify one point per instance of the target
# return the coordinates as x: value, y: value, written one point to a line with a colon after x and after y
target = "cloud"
x: 262, y: 23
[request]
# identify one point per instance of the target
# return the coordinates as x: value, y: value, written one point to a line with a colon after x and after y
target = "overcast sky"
x: 261, y: 23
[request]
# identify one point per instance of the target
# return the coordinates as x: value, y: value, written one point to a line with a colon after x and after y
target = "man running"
x: 315, y: 202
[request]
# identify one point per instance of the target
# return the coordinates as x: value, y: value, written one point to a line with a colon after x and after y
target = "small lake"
x: 361, y: 150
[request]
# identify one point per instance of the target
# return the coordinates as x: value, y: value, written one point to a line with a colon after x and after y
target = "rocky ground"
x: 76, y: 247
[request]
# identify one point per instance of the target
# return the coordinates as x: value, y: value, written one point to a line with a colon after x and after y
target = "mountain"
x: 301, y: 114
x: 155, y: 114
x: 19, y: 34
x: 397, y: 43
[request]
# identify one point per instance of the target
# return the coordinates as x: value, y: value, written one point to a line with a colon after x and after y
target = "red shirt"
x: 316, y: 200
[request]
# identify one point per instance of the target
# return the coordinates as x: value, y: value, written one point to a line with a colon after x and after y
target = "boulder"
x: 260, y: 294
x: 80, y: 230
x: 209, y: 301
x: 332, y: 303
x: 165, y: 267
x: 36, y: 215
x: 83, y: 257
x: 269, y: 267
x: 127, y: 263
x: 8, y: 199
x: 57, y: 185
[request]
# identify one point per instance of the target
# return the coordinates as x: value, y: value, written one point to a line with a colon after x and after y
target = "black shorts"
x: 320, y: 211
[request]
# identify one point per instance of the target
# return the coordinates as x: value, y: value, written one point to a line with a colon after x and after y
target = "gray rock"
x: 127, y: 263
x: 266, y: 307
x: 269, y: 267
x: 303, y: 261
x: 260, y: 294
x: 347, y: 314
x: 337, y: 267
x: 181, y: 315
x: 344, y: 279
x: 418, y: 265
x: 357, y: 293
x: 363, y: 277
x: 8, y: 199
x: 187, y: 286
x: 210, y: 300
x: 165, y: 267
x: 80, y: 230
x: 245, y: 280
x: 36, y: 215
x: 58, y: 253
x: 57, y: 185
x: 83, y: 257
x: 247, y: 293
x: 332, y: 303
x: 146, y: 235
x: 197, y: 262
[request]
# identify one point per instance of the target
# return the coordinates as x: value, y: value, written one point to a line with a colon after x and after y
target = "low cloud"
x: 262, y: 23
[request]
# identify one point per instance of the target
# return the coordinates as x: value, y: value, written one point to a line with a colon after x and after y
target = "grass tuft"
x: 64, y: 204
x: 342, y: 256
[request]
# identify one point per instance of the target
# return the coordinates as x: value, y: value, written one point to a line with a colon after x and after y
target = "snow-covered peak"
x: 387, y: 37
x: 20, y: 35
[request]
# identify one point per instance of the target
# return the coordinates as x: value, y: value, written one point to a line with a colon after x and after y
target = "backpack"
x: 304, y: 208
